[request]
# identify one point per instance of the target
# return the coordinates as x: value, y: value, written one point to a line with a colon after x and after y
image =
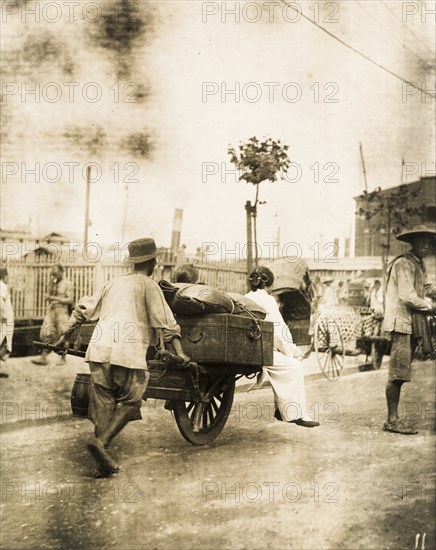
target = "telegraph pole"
x: 363, y: 167
x: 126, y: 200
x: 88, y: 195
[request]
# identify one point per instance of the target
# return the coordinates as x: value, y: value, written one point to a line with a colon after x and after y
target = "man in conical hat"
x: 408, y: 297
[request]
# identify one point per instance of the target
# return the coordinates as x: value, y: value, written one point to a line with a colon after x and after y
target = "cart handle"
x: 59, y: 349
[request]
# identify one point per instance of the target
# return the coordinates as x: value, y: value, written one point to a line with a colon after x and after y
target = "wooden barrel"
x: 80, y: 395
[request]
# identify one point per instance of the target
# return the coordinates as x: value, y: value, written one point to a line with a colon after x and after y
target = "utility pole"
x: 363, y: 167
x: 88, y: 195
x: 277, y: 243
x: 123, y: 230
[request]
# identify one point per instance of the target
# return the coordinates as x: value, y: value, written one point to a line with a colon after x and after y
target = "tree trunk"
x: 254, y: 216
x: 256, y: 255
x: 248, y: 210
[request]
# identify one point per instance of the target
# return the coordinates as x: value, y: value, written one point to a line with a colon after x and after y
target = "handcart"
x: 200, y: 394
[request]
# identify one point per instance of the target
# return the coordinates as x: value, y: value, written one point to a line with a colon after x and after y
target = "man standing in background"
x: 329, y: 297
x: 342, y: 294
x: 60, y: 299
x: 7, y: 320
x: 376, y: 297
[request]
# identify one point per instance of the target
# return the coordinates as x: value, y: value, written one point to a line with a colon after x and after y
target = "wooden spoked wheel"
x: 329, y: 348
x: 202, y: 421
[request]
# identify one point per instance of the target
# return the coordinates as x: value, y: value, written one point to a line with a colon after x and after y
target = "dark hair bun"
x: 255, y: 278
x: 261, y: 277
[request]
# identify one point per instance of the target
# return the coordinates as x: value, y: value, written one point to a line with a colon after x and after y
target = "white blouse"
x: 282, y: 336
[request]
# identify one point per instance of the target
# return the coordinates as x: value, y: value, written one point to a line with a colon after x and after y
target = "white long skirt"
x: 287, y: 380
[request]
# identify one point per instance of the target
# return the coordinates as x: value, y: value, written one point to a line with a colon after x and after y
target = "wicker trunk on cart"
x: 348, y: 330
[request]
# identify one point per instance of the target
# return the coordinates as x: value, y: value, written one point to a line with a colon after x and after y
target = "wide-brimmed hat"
x: 417, y: 231
x: 141, y: 250
x: 327, y: 281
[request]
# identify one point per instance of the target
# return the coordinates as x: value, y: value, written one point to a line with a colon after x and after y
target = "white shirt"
x: 329, y: 297
x: 7, y: 316
x: 129, y: 309
x: 376, y: 299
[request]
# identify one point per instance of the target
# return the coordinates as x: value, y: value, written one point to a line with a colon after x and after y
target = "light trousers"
x: 287, y: 380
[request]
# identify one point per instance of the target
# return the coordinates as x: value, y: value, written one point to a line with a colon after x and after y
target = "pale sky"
x: 193, y: 45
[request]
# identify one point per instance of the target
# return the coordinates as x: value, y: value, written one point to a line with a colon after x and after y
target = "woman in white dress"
x: 286, y: 375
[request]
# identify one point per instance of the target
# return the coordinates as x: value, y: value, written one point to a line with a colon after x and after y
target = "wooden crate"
x: 223, y: 339
x: 169, y: 381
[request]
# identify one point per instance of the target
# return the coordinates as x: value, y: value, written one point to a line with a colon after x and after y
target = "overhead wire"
x: 413, y: 84
x: 392, y: 36
x: 406, y: 27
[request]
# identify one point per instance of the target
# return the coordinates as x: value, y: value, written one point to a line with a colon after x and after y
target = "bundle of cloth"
x: 197, y: 299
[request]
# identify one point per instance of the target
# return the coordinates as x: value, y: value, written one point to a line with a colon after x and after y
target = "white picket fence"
x: 29, y: 283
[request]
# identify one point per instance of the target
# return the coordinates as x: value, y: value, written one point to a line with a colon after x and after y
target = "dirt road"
x: 261, y: 484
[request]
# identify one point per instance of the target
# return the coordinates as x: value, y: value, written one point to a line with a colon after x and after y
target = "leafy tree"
x: 388, y: 213
x: 259, y: 161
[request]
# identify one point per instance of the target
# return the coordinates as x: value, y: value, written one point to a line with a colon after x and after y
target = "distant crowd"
x: 330, y: 293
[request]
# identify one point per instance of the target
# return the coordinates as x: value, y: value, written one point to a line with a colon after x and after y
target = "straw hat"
x: 418, y: 231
